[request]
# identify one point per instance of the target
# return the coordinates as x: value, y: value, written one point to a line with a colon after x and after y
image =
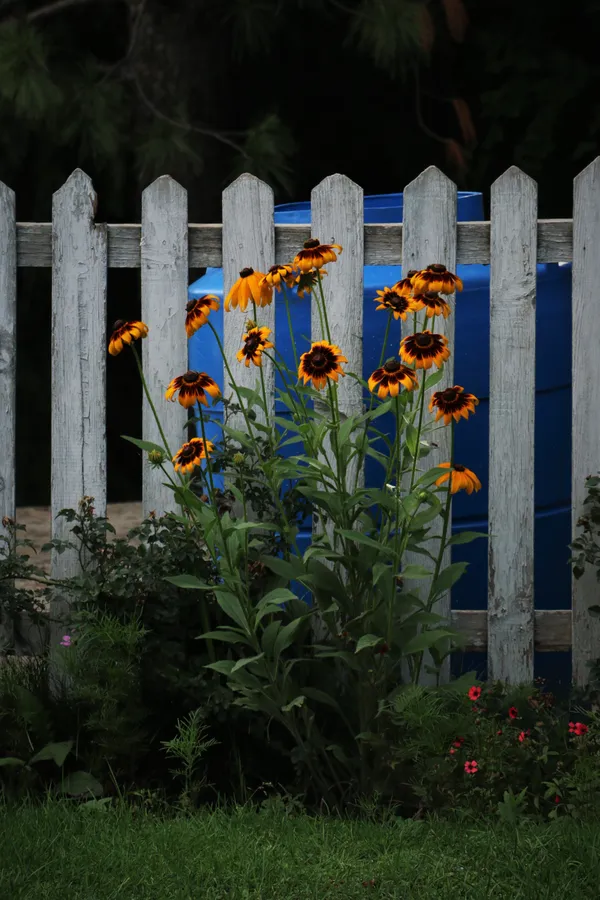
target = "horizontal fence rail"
x: 165, y: 246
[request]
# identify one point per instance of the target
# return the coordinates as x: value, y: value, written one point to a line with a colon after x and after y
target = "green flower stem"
x: 290, y: 328
x: 326, y: 332
x: 419, y: 428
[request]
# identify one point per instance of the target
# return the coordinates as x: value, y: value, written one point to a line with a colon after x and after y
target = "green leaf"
x: 190, y: 582
x: 321, y: 697
x: 268, y: 637
x: 287, y: 635
x: 465, y: 537
x: 424, y: 640
x: 433, y: 379
x: 232, y: 607
x: 11, y: 761
x: 56, y: 752
x: 345, y: 655
x: 146, y: 445
x: 380, y: 570
x: 448, y: 577
x: 227, y: 635
x: 282, y: 567
x: 415, y: 571
x: 77, y: 783
x: 359, y: 538
x: 297, y: 701
x: 245, y: 662
x: 411, y: 438
x: 367, y: 640
x: 224, y: 666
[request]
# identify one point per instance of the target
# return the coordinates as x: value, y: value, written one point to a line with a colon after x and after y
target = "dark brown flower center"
x: 396, y: 301
x: 449, y: 395
x: 458, y: 468
x: 245, y: 273
x: 190, y: 305
x: 188, y: 452
x: 437, y: 268
x: 190, y: 377
x: 311, y: 244
x: 424, y: 340
x: 412, y: 273
x: 392, y: 365
x: 431, y: 296
x: 320, y: 360
x: 252, y: 343
x: 118, y: 324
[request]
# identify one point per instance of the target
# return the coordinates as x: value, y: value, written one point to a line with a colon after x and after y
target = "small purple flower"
x: 66, y: 641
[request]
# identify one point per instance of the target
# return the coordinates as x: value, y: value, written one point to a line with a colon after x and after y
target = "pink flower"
x: 471, y: 766
x: 66, y: 641
x: 578, y: 728
x: 474, y: 693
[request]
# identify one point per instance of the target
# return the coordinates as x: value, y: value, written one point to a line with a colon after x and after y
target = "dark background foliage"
x: 291, y: 90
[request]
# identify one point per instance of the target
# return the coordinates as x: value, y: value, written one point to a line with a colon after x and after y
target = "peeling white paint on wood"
x: 429, y: 236
x: 512, y: 416
x: 248, y: 241
x: 586, y: 412
x: 164, y: 256
x: 8, y: 351
x: 79, y: 354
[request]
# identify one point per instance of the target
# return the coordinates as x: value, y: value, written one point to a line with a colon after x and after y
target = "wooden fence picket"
x: 511, y: 428
x: 79, y: 351
x: 586, y: 413
x: 429, y: 236
x: 8, y: 351
x: 248, y: 241
x: 164, y: 264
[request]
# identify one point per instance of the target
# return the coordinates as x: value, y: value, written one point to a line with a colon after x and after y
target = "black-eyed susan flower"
x: 432, y: 303
x: 192, y: 388
x: 425, y: 349
x: 249, y: 286
x: 452, y: 404
x: 390, y: 377
x: 191, y: 454
x: 405, y: 285
x: 305, y: 282
x: 399, y: 304
x: 321, y: 362
x: 315, y: 255
x: 461, y: 478
x: 278, y: 275
x: 197, y: 312
x: 125, y: 333
x: 255, y: 341
x: 436, y: 278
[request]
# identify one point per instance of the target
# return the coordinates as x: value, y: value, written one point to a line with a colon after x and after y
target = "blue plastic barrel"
x: 471, y: 367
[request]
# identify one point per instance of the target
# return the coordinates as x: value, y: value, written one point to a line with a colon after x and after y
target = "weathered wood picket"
x: 164, y: 246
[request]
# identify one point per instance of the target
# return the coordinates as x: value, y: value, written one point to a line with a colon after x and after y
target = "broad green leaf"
x: 345, y: 655
x: 227, y: 635
x: 367, y: 640
x: 321, y: 697
x: 267, y: 610
x: 359, y: 538
x: 411, y: 438
x: 424, y: 640
x: 11, y: 761
x: 146, y: 445
x: 77, y: 783
x: 415, y: 571
x: 287, y: 635
x: 380, y: 570
x: 232, y: 607
x: 323, y: 580
x: 245, y: 662
x: 57, y: 752
x: 430, y: 477
x: 224, y: 666
x: 346, y: 429
x: 289, y: 570
x: 433, y: 379
x: 465, y: 537
x: 190, y: 582
x: 448, y: 577
x: 268, y: 637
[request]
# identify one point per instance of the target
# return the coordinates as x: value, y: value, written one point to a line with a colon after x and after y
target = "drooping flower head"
x: 432, y: 303
x: 315, y: 254
x: 249, y: 287
x: 452, y: 404
x: 255, y: 341
x: 191, y: 454
x: 192, y: 388
x: 425, y: 349
x: 305, y: 282
x: 400, y: 304
x: 390, y: 377
x: 278, y: 275
x: 436, y: 278
x: 197, y: 312
x: 321, y: 362
x: 461, y: 478
x: 125, y: 333
x: 405, y: 285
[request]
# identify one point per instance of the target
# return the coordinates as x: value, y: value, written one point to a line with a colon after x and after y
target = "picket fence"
x: 165, y: 246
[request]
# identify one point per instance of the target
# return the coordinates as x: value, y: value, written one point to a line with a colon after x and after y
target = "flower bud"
x: 238, y: 458
x: 156, y: 458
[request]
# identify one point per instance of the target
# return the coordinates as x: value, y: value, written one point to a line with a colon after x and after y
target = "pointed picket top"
x: 163, y: 186
x: 248, y: 241
x: 80, y: 188
x: 586, y: 422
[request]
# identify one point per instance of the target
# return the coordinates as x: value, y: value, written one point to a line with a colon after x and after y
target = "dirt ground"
x: 38, y: 522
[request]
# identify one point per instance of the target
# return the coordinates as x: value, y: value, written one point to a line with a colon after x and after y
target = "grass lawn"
x: 54, y: 852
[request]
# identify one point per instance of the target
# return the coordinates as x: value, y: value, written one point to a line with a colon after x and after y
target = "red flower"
x: 499, y: 732
x: 471, y: 767
x: 458, y: 742
x: 451, y: 751
x: 383, y: 649
x: 578, y: 728
x: 524, y: 735
x: 513, y: 712
x: 557, y: 799
x: 474, y: 693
